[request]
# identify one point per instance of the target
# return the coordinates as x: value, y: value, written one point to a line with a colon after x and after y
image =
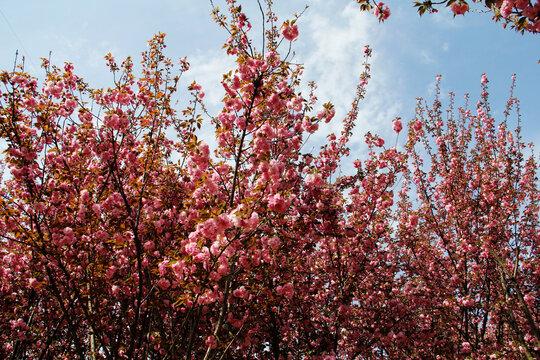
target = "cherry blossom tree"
x: 123, y: 235
x: 119, y: 242
x: 469, y: 234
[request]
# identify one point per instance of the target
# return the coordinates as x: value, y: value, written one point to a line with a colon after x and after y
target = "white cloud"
x: 426, y: 56
x: 332, y: 55
x: 207, y: 68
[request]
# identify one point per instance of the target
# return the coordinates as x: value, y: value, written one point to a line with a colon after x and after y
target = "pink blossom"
x: 223, y: 270
x: 115, y: 290
x: 313, y: 180
x: 18, y: 324
x: 382, y: 11
x: 326, y: 114
x: 379, y: 228
x: 96, y: 209
x: 162, y: 266
x: 506, y: 8
x: 40, y: 206
x: 308, y: 126
x: 244, y: 261
x: 71, y: 104
x: 68, y: 67
x: 209, y: 228
x: 211, y: 342
x: 110, y: 272
x: 184, y: 65
x: 53, y: 89
x: 531, y: 12
x: 241, y: 292
x: 236, y: 84
x: 85, y: 195
x: 192, y: 249
x: 295, y: 103
x: 459, y: 8
x: 274, y: 242
x: 149, y: 245
x: 202, y: 257
x: 178, y: 268
x: 289, y: 32
x: 484, y: 79
x: 521, y: 4
x: 163, y: 284
x: 30, y: 104
x: 286, y: 290
x: 278, y: 203
x: 397, y: 126
x: 33, y: 283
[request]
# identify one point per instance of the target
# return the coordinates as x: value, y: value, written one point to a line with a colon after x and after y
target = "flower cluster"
x: 118, y: 241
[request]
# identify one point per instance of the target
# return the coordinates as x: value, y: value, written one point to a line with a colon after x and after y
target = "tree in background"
x: 469, y: 234
x: 521, y: 15
x: 120, y: 242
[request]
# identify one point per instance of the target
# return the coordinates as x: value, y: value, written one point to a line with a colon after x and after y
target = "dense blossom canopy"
x: 123, y: 235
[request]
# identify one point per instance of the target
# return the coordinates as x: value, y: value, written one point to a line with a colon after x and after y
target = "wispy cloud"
x: 426, y: 56
x: 333, y: 55
x: 207, y: 69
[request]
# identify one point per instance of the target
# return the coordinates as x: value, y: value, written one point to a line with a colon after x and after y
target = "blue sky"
x: 409, y: 51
